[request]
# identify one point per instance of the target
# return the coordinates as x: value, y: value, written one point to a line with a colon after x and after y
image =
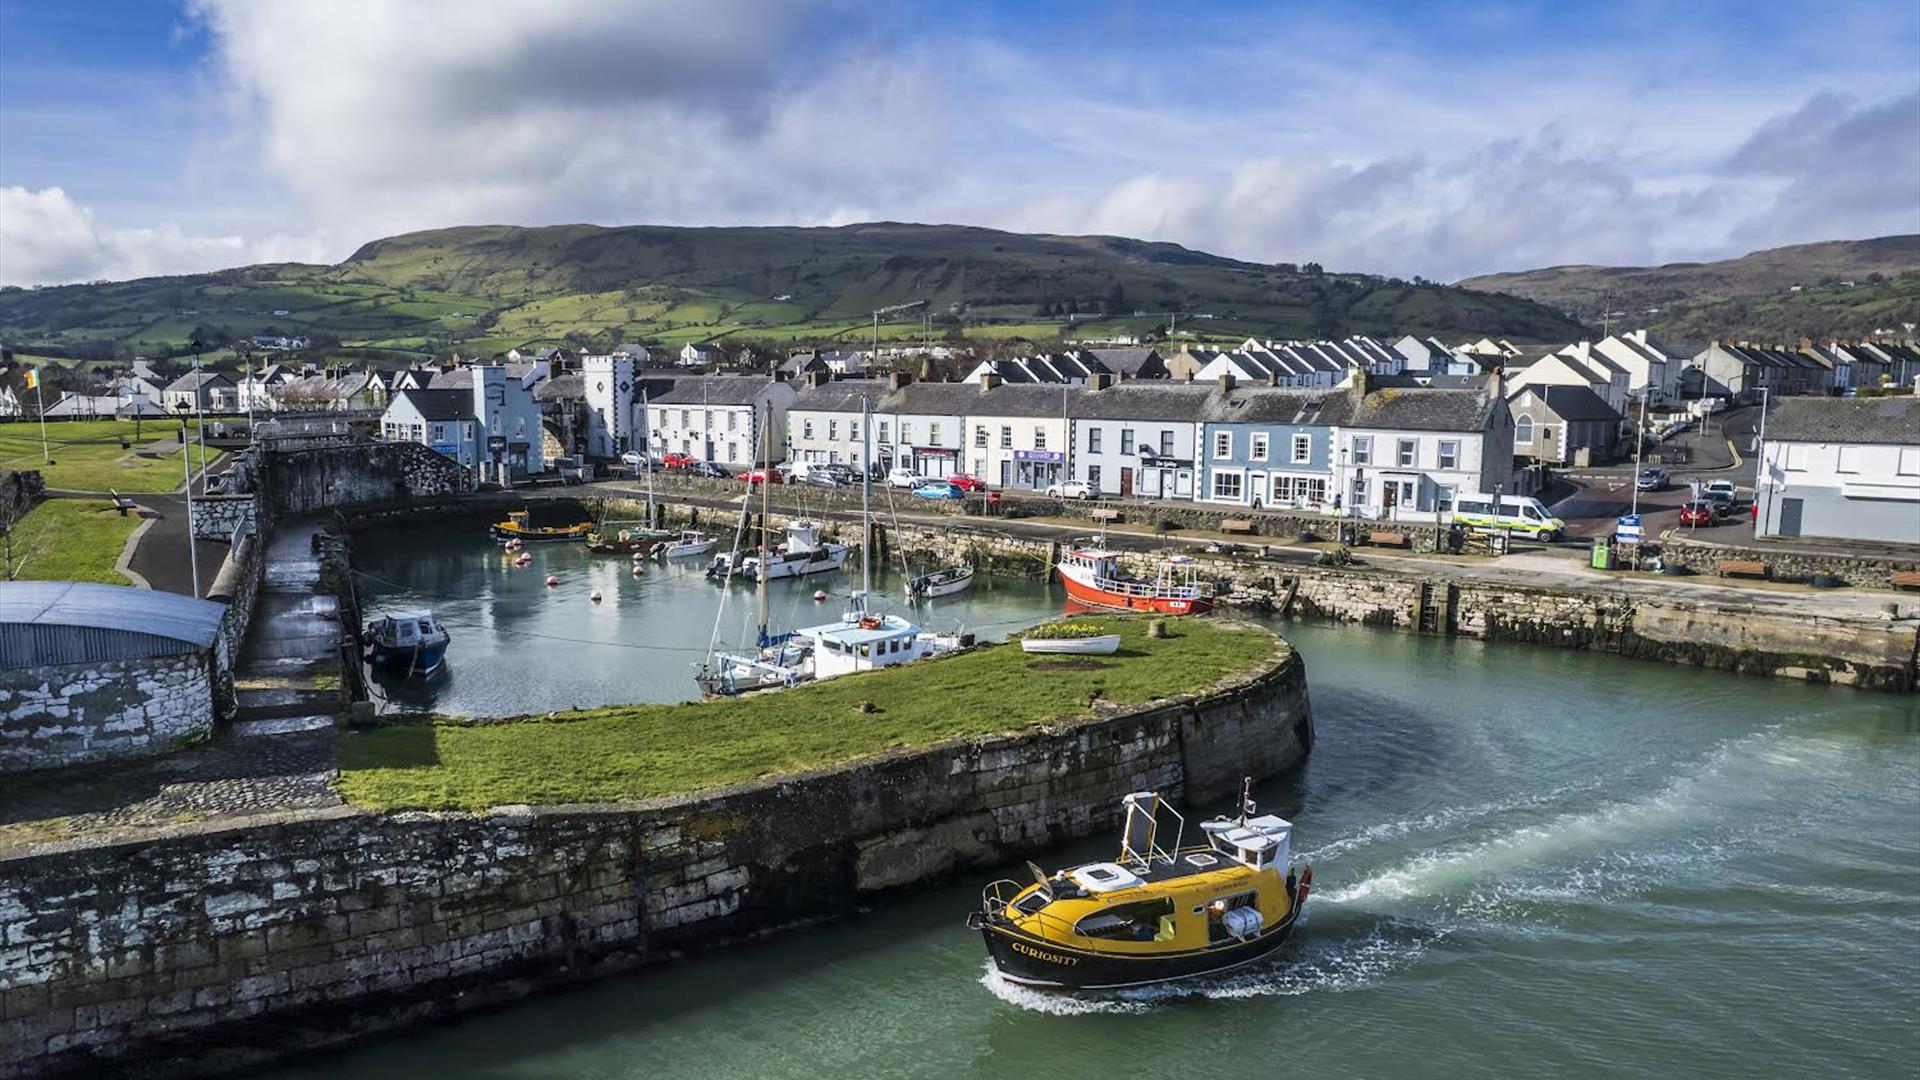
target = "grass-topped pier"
x: 640, y: 751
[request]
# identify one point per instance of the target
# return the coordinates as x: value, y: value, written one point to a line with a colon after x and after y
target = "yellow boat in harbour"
x: 519, y: 526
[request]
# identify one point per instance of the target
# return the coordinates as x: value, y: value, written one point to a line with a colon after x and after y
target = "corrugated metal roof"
x: 65, y: 622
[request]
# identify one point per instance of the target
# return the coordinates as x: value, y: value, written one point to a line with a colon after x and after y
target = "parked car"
x: 1651, y: 478
x: 677, y: 461
x: 902, y: 477
x: 938, y: 489
x: 822, y: 478
x: 1723, y: 493
x: 633, y: 459
x: 710, y: 468
x: 1070, y: 489
x: 760, y: 476
x: 966, y: 482
x: 1699, y: 512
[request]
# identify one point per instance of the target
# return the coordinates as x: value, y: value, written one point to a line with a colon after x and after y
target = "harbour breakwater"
x: 1650, y: 622
x: 214, y: 946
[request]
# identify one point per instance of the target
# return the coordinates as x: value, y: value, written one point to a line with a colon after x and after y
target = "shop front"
x: 1033, y: 470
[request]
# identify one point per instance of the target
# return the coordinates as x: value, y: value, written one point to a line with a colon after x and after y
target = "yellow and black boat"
x: 519, y: 526
x: 1154, y: 914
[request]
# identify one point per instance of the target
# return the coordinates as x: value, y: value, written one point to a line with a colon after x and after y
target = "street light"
x: 199, y: 389
x: 1762, y: 474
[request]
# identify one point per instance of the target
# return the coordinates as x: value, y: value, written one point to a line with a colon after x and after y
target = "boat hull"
x: 924, y: 588
x: 1035, y: 961
x: 1094, y: 596
x: 1104, y: 645
x: 408, y: 659
x: 540, y: 536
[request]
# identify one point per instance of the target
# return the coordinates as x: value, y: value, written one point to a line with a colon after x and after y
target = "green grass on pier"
x: 638, y: 751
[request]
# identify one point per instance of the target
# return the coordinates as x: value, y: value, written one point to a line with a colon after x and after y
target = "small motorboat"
x: 689, y: 542
x: 519, y: 526
x: 637, y: 542
x: 1092, y: 575
x: 945, y: 582
x: 411, y: 642
x: 1158, y: 912
x: 1094, y: 645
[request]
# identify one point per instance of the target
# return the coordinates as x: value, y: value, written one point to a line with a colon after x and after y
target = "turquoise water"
x: 1527, y: 863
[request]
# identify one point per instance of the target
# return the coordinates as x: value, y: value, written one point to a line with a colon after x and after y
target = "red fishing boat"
x: 1093, y: 576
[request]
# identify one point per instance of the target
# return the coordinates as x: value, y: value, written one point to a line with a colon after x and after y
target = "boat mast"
x: 647, y: 427
x: 866, y: 489
x: 766, y: 503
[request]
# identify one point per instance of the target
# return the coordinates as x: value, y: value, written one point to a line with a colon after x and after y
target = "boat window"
x: 866, y: 649
x: 1032, y: 902
x: 1145, y: 920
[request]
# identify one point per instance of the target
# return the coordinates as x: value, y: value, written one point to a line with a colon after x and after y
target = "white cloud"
x: 47, y: 239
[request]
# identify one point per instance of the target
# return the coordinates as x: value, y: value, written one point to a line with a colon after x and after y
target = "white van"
x: 1515, y: 513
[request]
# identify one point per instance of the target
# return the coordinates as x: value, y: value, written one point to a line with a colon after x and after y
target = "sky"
x: 142, y: 137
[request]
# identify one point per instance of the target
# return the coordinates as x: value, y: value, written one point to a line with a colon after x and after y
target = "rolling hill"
x: 487, y: 288
x: 1840, y: 288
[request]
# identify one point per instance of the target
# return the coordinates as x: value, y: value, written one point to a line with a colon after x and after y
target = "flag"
x: 33, y: 379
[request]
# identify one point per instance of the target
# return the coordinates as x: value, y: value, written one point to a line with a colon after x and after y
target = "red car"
x: 967, y: 483
x: 1698, y: 512
x: 760, y: 476
x: 677, y: 461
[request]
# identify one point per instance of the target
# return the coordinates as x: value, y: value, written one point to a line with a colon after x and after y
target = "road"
x: 1719, y: 450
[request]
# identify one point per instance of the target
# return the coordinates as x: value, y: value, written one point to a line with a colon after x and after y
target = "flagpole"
x: 40, y: 402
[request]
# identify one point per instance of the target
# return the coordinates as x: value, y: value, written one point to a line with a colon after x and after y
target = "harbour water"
x: 1527, y: 863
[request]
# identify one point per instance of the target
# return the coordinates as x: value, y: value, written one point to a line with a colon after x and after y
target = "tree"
x: 1116, y: 300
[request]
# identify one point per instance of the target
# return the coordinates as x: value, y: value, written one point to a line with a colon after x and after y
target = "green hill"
x: 1841, y: 288
x: 488, y: 288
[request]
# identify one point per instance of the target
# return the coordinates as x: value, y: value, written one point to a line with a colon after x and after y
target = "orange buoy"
x: 819, y: 595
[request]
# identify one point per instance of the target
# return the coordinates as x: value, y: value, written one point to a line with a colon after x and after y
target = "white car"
x: 904, y: 478
x: 633, y: 459
x: 1071, y: 489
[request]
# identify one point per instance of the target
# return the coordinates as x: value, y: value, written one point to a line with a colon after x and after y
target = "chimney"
x: 1226, y: 382
x: 779, y: 374
x: 1362, y: 385
x: 1102, y: 380
x: 1273, y: 378
x: 988, y: 382
x: 898, y: 380
x: 819, y: 378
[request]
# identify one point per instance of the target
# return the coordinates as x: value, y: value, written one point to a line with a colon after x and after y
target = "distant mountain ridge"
x: 487, y: 288
x: 1838, y: 288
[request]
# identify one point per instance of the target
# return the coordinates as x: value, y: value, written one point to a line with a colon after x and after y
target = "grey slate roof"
x: 66, y: 622
x: 195, y: 380
x: 561, y: 388
x: 1126, y: 362
x: 1189, y: 402
x: 1874, y: 421
x: 441, y: 404
x: 1413, y: 409
x: 714, y: 390
x: 969, y: 398
x: 1571, y: 402
x: 842, y: 395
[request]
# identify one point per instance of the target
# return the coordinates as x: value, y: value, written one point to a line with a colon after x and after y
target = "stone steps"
x: 280, y: 726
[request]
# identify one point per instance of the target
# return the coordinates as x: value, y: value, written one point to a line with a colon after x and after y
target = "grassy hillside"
x: 488, y: 288
x: 1753, y: 296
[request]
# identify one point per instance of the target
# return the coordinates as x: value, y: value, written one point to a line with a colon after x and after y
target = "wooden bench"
x: 121, y: 503
x: 1740, y: 568
x: 1905, y: 579
x: 1104, y: 513
x: 1388, y: 539
x: 1236, y: 525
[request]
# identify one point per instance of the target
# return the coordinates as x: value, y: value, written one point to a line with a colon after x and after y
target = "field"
x: 93, y: 455
x: 635, y: 751
x: 71, y: 540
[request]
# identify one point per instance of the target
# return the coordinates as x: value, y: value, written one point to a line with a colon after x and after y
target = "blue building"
x: 1266, y: 448
x: 491, y: 426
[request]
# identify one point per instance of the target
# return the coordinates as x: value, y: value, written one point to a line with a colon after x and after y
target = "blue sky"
x: 142, y: 136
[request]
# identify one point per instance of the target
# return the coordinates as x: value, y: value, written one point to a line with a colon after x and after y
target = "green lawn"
x: 636, y: 751
x: 71, y: 540
x: 88, y: 456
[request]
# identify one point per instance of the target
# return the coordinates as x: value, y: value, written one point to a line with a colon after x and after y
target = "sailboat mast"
x: 766, y: 503
x: 646, y: 427
x: 866, y: 489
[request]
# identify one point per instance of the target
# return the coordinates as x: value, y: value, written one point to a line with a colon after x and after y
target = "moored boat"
x: 945, y: 582
x: 689, y: 542
x: 1092, y: 576
x: 802, y: 553
x: 628, y: 541
x: 1095, y: 645
x: 1158, y: 912
x: 519, y: 526
x: 411, y: 642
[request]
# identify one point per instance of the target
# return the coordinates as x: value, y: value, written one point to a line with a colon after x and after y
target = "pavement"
x: 160, y: 550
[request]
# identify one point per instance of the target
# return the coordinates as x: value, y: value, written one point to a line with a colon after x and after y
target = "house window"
x: 1311, y: 490
x: 1849, y: 459
x: 1039, y: 438
x: 1449, y: 453
x: 1227, y: 486
x: 1362, y: 449
x: 1166, y: 443
x: 1443, y: 498
x: 1523, y: 430
x: 1126, y: 440
x: 1406, y: 453
x: 684, y: 414
x: 853, y: 430
x: 1093, y: 477
x: 906, y: 432
x: 833, y: 431
x: 733, y: 421
x: 1093, y: 441
x: 1302, y: 449
x: 1006, y: 437
x: 1223, y: 444
x: 883, y: 431
x: 980, y: 436
x: 806, y: 429
x: 933, y: 434
x: 1260, y: 446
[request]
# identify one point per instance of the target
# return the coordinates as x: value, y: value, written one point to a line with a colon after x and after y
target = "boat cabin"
x: 405, y: 629
x: 863, y: 641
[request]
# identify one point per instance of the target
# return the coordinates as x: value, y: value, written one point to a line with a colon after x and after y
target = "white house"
x: 824, y: 421
x: 692, y: 355
x: 1302, y: 365
x: 608, y: 384
x: 923, y: 427
x: 1016, y: 436
x: 1412, y: 450
x: 200, y: 391
x: 721, y: 418
x: 1647, y: 362
x: 1137, y: 438
x: 441, y: 420
x: 1578, y: 365
x: 1841, y: 468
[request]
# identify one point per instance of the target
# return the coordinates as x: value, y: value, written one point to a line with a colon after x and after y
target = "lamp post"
x: 186, y: 474
x: 1762, y: 474
x: 200, y: 419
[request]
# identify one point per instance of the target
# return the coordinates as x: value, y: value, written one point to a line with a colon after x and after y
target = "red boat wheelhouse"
x: 1093, y: 576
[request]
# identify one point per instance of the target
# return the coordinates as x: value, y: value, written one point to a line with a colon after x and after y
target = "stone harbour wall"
x: 1788, y: 564
x: 218, y: 517
x: 369, y: 474
x: 219, y: 947
x: 72, y: 714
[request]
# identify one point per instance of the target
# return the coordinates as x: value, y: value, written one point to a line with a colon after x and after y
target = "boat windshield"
x: 1146, y: 920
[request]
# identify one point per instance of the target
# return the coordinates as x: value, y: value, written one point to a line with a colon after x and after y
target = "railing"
x: 998, y: 896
